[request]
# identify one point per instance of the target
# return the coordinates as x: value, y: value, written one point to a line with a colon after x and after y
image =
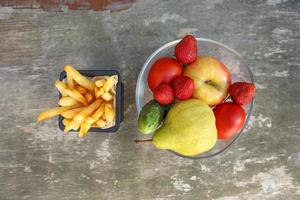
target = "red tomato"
x: 230, y: 118
x: 163, y: 71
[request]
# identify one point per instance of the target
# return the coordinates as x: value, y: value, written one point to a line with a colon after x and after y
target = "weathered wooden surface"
x: 37, y: 161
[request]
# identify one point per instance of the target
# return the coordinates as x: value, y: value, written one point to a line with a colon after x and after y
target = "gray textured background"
x: 37, y: 161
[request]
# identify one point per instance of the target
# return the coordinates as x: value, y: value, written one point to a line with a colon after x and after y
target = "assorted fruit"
x: 190, y: 109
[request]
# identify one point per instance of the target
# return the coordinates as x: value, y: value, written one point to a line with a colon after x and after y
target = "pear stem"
x: 142, y: 141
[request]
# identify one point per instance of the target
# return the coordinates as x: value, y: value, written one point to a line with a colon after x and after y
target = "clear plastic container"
x: 234, y: 62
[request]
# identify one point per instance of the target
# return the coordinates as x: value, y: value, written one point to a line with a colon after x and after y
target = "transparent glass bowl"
x: 234, y: 62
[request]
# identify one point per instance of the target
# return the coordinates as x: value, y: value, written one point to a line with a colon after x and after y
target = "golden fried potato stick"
x: 80, y: 89
x: 61, y: 87
x: 70, y: 81
x: 54, y: 112
x: 69, y: 114
x: 107, y: 96
x: 66, y: 121
x: 100, y: 123
x: 109, y: 112
x: 109, y: 83
x: 113, y: 90
x: 100, y: 83
x: 80, y: 79
x: 67, y: 101
x: 82, y: 115
x: 86, y: 125
x: 89, y: 97
x: 99, y: 112
x: 76, y: 95
x: 98, y: 92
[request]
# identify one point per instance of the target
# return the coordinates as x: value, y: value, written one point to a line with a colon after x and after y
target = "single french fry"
x: 69, y: 114
x: 100, y: 123
x: 99, y: 112
x: 61, y: 87
x: 109, y: 112
x: 107, y: 96
x: 89, y: 97
x: 98, y: 92
x: 81, y: 89
x: 67, y: 101
x: 109, y: 83
x: 76, y: 95
x: 84, y: 113
x: 72, y: 125
x: 113, y: 90
x: 66, y: 121
x: 88, y: 110
x: 54, y: 112
x: 85, y: 126
x: 100, y: 83
x: 80, y: 79
x: 70, y: 81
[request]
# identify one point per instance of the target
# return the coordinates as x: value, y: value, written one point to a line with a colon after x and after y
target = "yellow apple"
x: 211, y: 78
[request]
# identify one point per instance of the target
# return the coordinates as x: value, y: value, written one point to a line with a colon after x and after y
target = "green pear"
x: 189, y: 128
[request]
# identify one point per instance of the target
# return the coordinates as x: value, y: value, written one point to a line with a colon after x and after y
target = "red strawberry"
x: 183, y: 87
x: 242, y: 92
x: 186, y: 50
x: 164, y: 94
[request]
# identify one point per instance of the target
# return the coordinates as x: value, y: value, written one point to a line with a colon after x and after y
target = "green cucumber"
x: 151, y: 117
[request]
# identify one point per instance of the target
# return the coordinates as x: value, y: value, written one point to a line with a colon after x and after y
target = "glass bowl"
x: 234, y: 62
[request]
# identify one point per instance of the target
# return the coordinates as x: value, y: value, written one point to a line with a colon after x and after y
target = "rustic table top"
x: 38, y: 161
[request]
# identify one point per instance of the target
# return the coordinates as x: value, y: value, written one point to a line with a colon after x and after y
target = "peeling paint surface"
x: 179, y: 185
x: 38, y: 161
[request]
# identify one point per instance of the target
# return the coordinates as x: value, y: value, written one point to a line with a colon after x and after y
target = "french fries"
x: 85, y: 126
x: 109, y: 112
x: 66, y: 121
x: 107, y: 96
x: 100, y: 123
x: 80, y: 79
x: 80, y: 89
x: 84, y: 113
x: 69, y: 114
x: 85, y: 102
x: 109, y: 83
x: 100, y: 83
x: 99, y: 92
x: 61, y: 87
x: 70, y: 81
x: 67, y: 101
x: 53, y: 112
x: 76, y: 95
x: 89, y: 97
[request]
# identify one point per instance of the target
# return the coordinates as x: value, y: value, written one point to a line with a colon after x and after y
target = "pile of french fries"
x: 84, y: 102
